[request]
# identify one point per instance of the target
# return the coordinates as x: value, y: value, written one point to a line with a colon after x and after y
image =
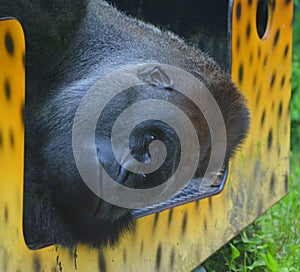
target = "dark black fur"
x: 71, y: 44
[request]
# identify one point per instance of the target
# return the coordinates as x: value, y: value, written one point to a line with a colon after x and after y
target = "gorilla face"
x: 140, y: 141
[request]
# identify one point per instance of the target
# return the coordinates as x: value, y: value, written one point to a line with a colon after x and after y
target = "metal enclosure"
x: 180, y: 238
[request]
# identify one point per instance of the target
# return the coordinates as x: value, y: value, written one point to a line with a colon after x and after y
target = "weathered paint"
x: 180, y: 238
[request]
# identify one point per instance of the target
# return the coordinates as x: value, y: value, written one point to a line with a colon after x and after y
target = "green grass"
x: 272, y: 243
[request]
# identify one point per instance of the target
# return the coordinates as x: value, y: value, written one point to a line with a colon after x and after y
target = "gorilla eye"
x: 153, y: 136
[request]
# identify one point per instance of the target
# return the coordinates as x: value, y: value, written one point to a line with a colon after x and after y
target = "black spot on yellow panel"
x: 184, y: 223
x: 170, y: 216
x: 11, y: 139
x: 7, y: 89
x: 251, y: 58
x: 259, y: 53
x: 250, y: 2
x: 288, y: 1
x: 254, y: 81
x: 9, y: 44
x: 5, y: 213
x: 74, y: 256
x: 238, y: 11
x: 257, y: 98
x: 273, y: 79
x: 36, y: 264
x: 270, y: 138
x: 210, y: 203
x: 265, y: 61
x: 158, y: 256
x: 142, y: 247
x: 124, y: 255
x: 248, y: 31
x: 205, y: 223
x: 286, y: 182
x: 277, y: 35
x: 101, y: 262
x: 241, y: 73
x: 282, y: 81
x: 280, y: 109
x: 172, y: 259
x: 238, y: 43
x: 286, y: 50
x: 197, y: 204
x: 263, y: 117
x: 155, y: 221
x: 273, y: 105
x: 278, y: 150
x: 272, y: 183
x: 285, y: 129
x: 58, y: 263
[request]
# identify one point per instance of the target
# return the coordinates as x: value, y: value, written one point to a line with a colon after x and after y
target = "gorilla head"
x: 71, y: 45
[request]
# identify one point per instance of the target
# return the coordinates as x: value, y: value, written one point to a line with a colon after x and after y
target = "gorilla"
x: 70, y: 45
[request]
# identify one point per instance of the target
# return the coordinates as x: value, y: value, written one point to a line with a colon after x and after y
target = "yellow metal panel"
x: 180, y: 238
x: 11, y: 142
x: 262, y: 69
